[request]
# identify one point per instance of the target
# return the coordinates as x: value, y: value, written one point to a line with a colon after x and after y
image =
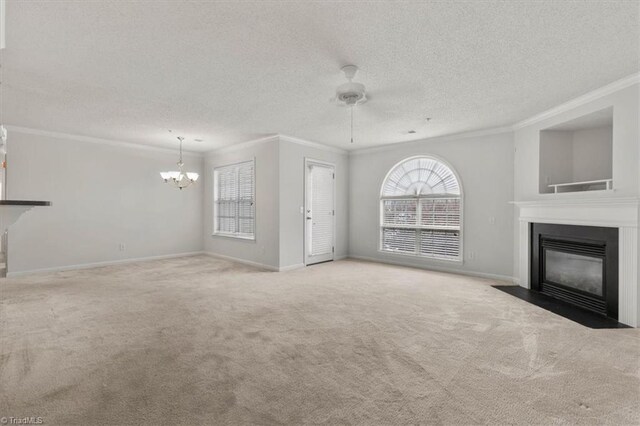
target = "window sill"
x: 234, y: 236
x: 458, y: 261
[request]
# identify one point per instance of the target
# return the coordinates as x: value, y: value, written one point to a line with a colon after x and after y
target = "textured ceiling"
x: 229, y: 72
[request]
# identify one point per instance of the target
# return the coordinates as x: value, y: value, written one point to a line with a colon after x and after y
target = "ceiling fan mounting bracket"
x: 350, y: 71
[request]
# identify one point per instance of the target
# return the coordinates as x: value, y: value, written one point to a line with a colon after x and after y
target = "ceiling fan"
x: 386, y: 105
x: 351, y: 93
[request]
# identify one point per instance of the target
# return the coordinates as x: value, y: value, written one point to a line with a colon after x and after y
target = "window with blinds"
x: 421, y: 210
x: 234, y: 200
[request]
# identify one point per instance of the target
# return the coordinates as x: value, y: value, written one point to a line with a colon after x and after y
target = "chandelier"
x: 179, y: 178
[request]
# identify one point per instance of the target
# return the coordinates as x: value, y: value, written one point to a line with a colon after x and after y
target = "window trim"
x: 381, y: 226
x: 236, y: 236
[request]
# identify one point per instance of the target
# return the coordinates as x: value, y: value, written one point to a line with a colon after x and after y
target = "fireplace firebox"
x: 576, y: 264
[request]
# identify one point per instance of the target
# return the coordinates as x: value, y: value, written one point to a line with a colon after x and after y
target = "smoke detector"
x: 351, y: 93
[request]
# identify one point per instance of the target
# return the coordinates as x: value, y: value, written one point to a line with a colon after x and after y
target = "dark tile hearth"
x: 558, y: 307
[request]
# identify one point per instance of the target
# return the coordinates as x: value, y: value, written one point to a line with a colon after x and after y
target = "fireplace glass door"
x: 576, y: 264
x: 584, y: 273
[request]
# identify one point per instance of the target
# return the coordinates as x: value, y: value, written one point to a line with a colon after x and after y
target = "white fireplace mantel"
x: 621, y: 213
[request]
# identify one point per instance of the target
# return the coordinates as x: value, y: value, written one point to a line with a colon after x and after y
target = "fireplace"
x: 576, y: 264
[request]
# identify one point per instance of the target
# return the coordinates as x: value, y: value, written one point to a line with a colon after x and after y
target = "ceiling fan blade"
x: 397, y: 94
x: 378, y: 111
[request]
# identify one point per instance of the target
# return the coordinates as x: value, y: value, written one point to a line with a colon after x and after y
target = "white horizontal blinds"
x: 443, y: 213
x: 234, y: 199
x: 440, y: 244
x: 321, y: 209
x: 246, y: 205
x: 400, y: 212
x: 226, y: 206
x: 399, y: 240
x: 421, y: 210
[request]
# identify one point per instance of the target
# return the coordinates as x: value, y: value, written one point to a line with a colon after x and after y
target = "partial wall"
x: 263, y: 251
x: 108, y: 203
x: 279, y: 162
x: 292, y: 156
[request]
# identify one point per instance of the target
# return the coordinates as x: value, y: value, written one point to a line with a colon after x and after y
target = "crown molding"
x: 581, y: 100
x: 276, y: 137
x: 443, y: 138
x: 81, y: 138
x: 315, y: 145
x: 242, y: 145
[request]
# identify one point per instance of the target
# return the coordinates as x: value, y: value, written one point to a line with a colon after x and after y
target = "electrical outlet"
x: 492, y: 220
x: 122, y: 247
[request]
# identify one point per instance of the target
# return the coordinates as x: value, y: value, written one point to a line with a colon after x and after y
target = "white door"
x: 319, y: 211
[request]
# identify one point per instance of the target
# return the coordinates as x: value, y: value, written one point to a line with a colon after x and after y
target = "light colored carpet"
x: 204, y: 341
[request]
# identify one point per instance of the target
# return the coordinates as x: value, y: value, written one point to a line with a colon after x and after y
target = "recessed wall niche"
x: 577, y: 155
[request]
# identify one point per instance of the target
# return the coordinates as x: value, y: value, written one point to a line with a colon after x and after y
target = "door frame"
x: 305, y: 248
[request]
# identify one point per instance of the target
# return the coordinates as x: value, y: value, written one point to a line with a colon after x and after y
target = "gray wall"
x: 264, y: 250
x: 592, y: 154
x: 575, y: 156
x: 485, y: 167
x: 103, y: 195
x: 292, y: 172
x: 556, y: 158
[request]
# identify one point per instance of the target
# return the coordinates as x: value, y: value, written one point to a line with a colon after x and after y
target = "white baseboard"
x: 262, y: 265
x: 243, y: 261
x: 291, y: 267
x: 257, y: 265
x: 99, y: 264
x: 438, y: 269
x: 302, y: 265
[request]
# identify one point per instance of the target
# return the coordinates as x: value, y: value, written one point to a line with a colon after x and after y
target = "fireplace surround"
x: 621, y: 213
x: 576, y: 264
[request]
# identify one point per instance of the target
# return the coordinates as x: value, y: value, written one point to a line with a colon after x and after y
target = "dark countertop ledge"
x: 24, y: 203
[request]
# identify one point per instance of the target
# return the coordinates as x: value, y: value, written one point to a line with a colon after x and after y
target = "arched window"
x: 421, y: 210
